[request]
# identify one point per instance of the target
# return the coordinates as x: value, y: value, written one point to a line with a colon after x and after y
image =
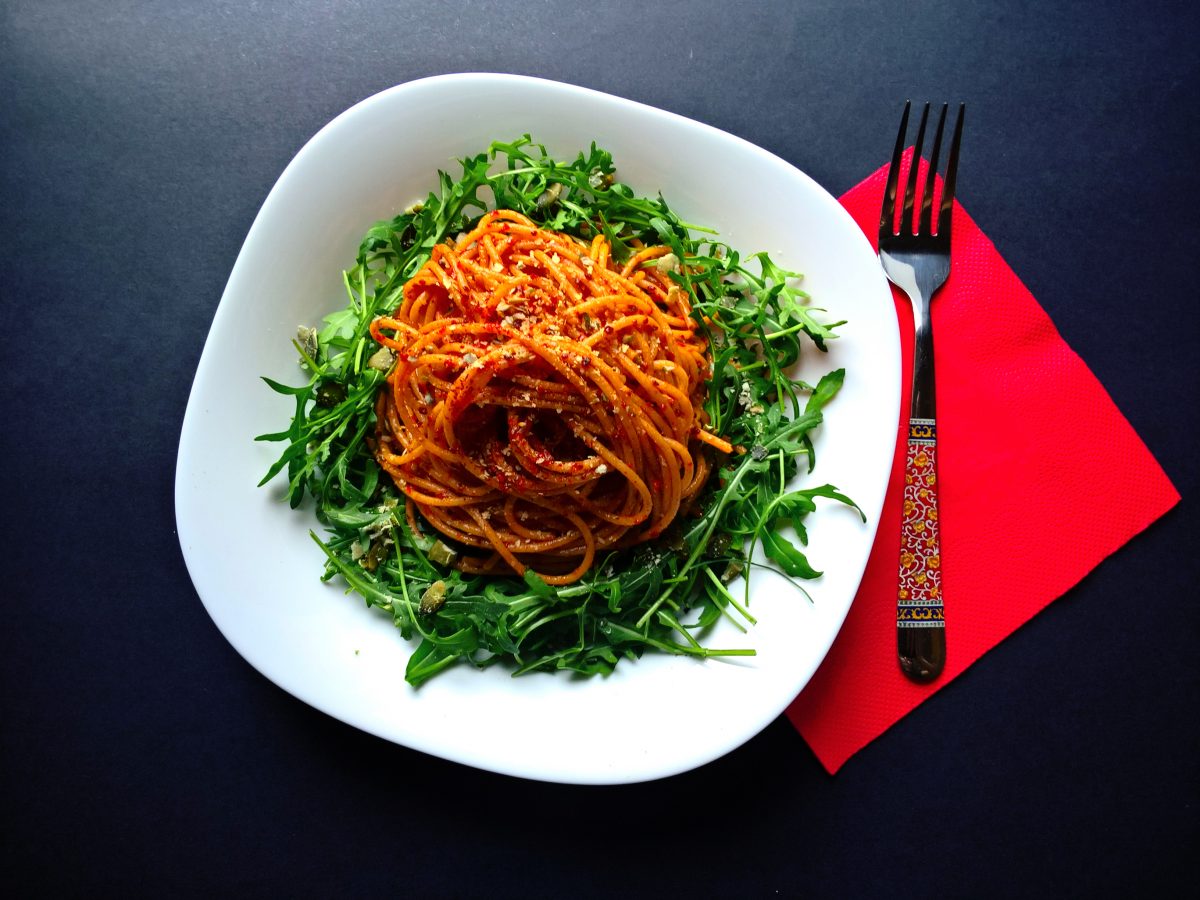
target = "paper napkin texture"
x: 1041, y: 478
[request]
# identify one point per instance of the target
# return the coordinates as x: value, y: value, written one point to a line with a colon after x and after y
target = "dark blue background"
x: 142, y: 756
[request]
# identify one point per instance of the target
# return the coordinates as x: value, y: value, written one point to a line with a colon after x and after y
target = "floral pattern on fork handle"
x: 920, y: 584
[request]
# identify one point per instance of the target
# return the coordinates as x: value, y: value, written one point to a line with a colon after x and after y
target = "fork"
x: 918, y: 262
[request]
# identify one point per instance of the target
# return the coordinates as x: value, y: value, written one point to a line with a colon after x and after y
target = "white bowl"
x: 251, y: 559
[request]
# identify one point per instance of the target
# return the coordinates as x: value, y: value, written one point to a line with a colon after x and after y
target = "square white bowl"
x: 250, y: 557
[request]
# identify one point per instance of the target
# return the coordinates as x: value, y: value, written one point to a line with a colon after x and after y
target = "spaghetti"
x: 545, y: 403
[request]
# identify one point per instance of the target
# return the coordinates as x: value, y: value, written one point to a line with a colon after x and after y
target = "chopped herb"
x: 441, y: 554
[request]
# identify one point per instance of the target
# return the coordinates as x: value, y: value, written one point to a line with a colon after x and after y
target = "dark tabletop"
x: 142, y: 756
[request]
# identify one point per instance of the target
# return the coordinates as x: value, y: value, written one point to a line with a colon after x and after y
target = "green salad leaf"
x: 661, y: 596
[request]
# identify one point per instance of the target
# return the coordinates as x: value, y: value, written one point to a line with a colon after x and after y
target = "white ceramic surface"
x: 256, y: 570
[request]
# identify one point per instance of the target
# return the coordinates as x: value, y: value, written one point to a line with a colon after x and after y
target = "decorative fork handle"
x: 920, y: 623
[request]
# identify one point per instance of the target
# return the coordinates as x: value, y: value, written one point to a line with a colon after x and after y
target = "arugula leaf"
x: 784, y: 552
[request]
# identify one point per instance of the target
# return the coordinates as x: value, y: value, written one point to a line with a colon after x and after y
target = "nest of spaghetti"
x: 546, y: 403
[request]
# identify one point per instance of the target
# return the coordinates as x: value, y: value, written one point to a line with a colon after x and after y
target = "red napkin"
x: 1041, y: 478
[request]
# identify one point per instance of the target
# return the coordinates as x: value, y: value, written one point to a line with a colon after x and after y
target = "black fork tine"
x: 887, y: 218
x: 927, y: 194
x: 910, y: 192
x: 951, y: 175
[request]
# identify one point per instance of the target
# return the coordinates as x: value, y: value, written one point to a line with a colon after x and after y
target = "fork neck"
x: 923, y: 401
